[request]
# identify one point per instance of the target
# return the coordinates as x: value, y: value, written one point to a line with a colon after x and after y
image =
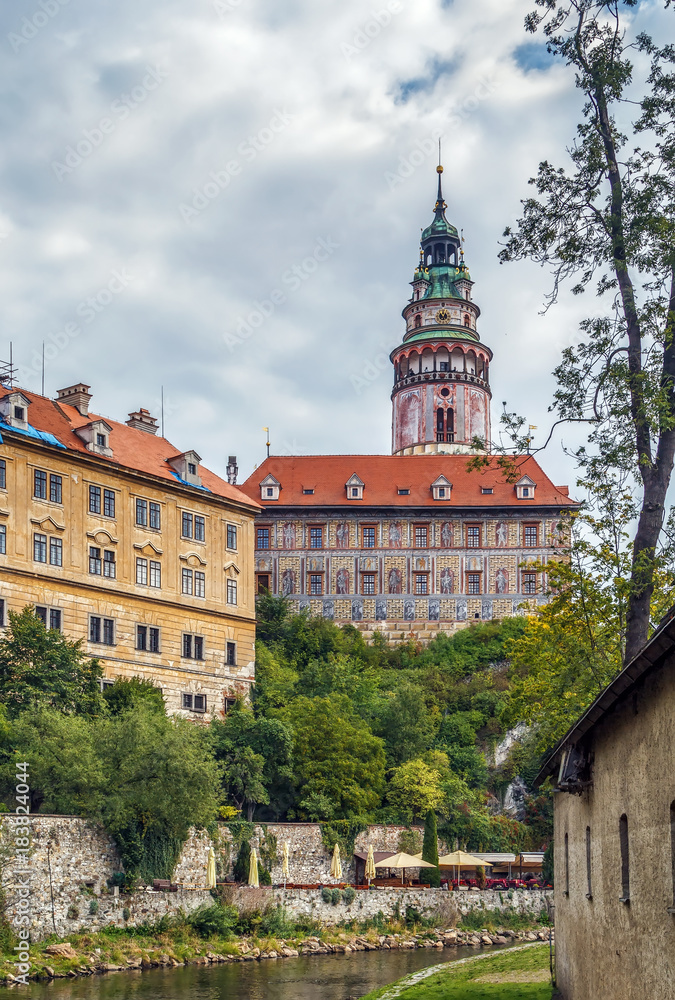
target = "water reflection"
x: 326, y: 977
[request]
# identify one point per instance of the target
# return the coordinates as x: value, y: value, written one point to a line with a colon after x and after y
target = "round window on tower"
x: 445, y: 392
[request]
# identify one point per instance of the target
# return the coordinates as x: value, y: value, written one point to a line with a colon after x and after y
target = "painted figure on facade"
x: 502, y: 534
x: 288, y: 582
x: 357, y: 611
x: 395, y: 535
x: 446, y: 535
x: 434, y: 611
x: 342, y: 536
x: 289, y: 535
x: 409, y: 611
x: 502, y: 581
x: 395, y: 581
x: 342, y: 581
x: 447, y: 581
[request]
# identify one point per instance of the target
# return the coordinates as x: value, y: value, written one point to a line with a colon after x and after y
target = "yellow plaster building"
x: 121, y: 540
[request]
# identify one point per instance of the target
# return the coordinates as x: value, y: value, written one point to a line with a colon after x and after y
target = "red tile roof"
x: 384, y: 475
x: 131, y: 448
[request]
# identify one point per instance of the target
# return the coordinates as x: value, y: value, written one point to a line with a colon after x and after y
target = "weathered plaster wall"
x: 606, y: 948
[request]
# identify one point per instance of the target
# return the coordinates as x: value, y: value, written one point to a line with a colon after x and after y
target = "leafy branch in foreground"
x: 609, y: 219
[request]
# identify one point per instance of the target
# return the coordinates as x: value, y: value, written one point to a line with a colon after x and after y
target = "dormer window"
x: 14, y: 410
x: 354, y: 487
x: 525, y: 488
x: 441, y: 488
x: 269, y: 488
x: 96, y: 436
x: 186, y: 466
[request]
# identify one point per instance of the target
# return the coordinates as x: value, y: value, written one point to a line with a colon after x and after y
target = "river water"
x: 324, y: 977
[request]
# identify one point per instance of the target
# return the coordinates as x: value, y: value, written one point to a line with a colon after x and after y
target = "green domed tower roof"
x: 441, y: 244
x: 440, y: 226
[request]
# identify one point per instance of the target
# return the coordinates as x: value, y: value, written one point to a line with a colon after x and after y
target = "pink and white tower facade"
x: 441, y: 395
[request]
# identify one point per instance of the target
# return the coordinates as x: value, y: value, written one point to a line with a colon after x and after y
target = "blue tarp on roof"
x: 31, y: 432
x: 192, y: 485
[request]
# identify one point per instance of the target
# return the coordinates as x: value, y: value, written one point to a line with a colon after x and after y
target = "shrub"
x: 430, y: 876
x: 242, y: 863
x: 93, y: 907
x: 348, y: 895
x: 326, y: 894
x: 126, y: 913
x: 335, y: 896
x: 264, y: 876
x: 73, y: 913
x: 208, y: 921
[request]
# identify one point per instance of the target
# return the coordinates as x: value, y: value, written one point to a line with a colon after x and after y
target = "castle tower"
x: 441, y: 395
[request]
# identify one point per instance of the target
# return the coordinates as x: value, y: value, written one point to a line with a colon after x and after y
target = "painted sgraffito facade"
x: 416, y: 542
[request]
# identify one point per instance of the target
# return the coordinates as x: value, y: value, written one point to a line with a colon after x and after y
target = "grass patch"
x: 506, y: 919
x: 500, y: 977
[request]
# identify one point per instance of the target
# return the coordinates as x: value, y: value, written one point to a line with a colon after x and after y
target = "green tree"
x: 406, y: 725
x: 430, y: 876
x: 256, y: 755
x: 126, y: 693
x: 67, y: 775
x: 335, y: 754
x: 40, y: 667
x: 572, y: 647
x: 160, y: 779
x: 415, y: 788
x: 608, y: 217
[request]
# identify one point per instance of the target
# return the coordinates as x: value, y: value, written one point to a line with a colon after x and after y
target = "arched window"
x: 589, y: 884
x: 467, y: 320
x: 418, y: 321
x: 440, y: 424
x: 450, y: 423
x: 625, y: 865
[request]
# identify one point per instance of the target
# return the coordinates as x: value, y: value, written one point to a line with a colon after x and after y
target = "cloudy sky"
x: 224, y: 198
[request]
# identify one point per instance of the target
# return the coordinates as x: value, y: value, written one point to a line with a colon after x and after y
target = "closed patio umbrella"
x: 253, y: 870
x: 336, y: 865
x: 403, y: 860
x: 370, y: 865
x: 211, y: 870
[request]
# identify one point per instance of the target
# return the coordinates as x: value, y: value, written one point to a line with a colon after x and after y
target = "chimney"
x: 232, y: 470
x: 142, y: 421
x: 77, y: 396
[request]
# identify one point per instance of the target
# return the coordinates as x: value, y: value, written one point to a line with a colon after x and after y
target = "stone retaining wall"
x: 72, y: 859
x: 446, y: 907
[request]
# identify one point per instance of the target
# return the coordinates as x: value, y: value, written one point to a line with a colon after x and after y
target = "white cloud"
x: 449, y: 68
